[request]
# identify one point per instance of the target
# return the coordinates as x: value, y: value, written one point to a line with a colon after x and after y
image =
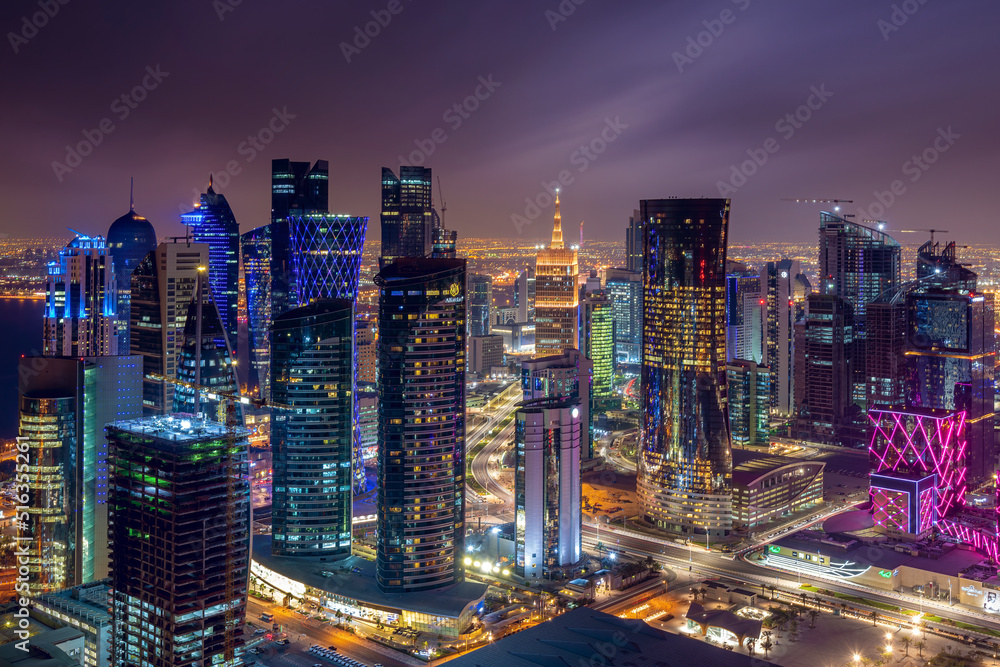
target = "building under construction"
x: 179, y: 530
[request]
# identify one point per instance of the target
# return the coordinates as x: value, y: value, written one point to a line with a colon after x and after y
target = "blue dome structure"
x: 130, y: 238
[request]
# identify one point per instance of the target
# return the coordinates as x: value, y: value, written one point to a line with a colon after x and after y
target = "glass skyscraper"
x: 407, y: 214
x: 214, y: 224
x: 326, y: 256
x: 312, y: 369
x: 633, y: 243
x: 598, y: 343
x: 625, y: 290
x: 420, y: 533
x: 780, y: 295
x: 80, y: 301
x: 748, y: 387
x: 130, y: 238
x: 480, y: 292
x: 685, y: 462
x: 256, y: 255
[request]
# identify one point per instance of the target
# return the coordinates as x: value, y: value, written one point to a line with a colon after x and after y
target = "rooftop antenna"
x: 581, y: 232
x: 131, y: 195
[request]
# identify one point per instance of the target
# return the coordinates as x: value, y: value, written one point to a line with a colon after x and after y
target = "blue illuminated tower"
x: 130, y: 238
x: 214, y: 224
x: 326, y: 256
x: 256, y: 249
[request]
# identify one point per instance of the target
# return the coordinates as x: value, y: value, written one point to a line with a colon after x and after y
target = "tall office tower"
x: 625, y: 290
x: 130, y: 238
x: 444, y: 244
x: 557, y: 299
x: 856, y: 263
x: 597, y: 338
x: 80, y: 301
x: 548, y: 436
x: 524, y: 295
x: 828, y: 412
x: 213, y: 223
x: 951, y: 350
x: 326, y: 256
x: 565, y: 376
x: 407, y: 226
x: 633, y: 243
x: 685, y: 465
x: 312, y: 368
x: 256, y: 253
x: 297, y: 189
x: 64, y: 404
x: 485, y: 354
x: 364, y: 343
x: 179, y: 529
x: 781, y: 318
x: 749, y: 389
x: 421, y: 460
x: 368, y: 420
x: 205, y: 358
x: 746, y: 317
x: 885, y: 348
x: 162, y: 287
x: 480, y: 307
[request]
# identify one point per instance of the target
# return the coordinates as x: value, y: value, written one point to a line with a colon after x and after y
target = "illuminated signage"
x: 773, y: 549
x: 972, y: 590
x: 884, y: 573
x: 992, y: 602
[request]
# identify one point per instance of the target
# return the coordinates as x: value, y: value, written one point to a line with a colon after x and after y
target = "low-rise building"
x: 770, y: 487
x: 84, y: 608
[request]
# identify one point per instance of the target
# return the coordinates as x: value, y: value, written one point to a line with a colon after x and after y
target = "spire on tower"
x: 557, y: 237
x: 131, y: 194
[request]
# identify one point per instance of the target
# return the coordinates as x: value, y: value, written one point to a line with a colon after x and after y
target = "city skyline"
x: 494, y: 157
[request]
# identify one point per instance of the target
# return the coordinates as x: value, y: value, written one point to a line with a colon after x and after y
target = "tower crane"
x: 932, y: 232
x: 836, y: 202
x: 444, y: 204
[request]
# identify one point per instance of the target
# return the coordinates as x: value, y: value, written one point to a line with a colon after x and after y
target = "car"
x: 332, y: 647
x: 259, y: 631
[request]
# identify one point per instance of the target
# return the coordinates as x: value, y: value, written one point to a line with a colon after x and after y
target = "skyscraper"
x: 326, y: 256
x: 548, y: 436
x: 256, y: 254
x: 598, y: 343
x: 633, y: 243
x: 749, y: 391
x: 407, y: 224
x: 480, y: 307
x: 625, y: 291
x: 205, y: 357
x: 130, y: 238
x: 80, y: 301
x: 781, y: 318
x: 827, y: 412
x: 64, y: 404
x: 746, y: 316
x: 557, y: 299
x: 297, y: 189
x: 524, y: 295
x: 685, y: 462
x: 312, y: 369
x: 180, y: 542
x: 563, y: 377
x: 364, y: 342
x: 421, y: 460
x: 213, y: 223
x: 162, y: 287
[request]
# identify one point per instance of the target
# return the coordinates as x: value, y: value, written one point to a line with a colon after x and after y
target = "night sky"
x: 885, y: 86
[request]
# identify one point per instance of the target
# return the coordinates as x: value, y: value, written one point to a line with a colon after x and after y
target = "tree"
x: 813, y: 613
x: 694, y: 593
x: 920, y: 646
x: 905, y: 641
x: 804, y: 597
x: 767, y: 645
x: 704, y: 592
x: 751, y: 645
x: 795, y: 626
x: 874, y: 616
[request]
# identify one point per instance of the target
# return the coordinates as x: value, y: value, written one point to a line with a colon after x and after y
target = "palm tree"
x: 803, y: 596
x: 905, y: 641
x: 920, y: 645
x: 795, y: 627
x: 874, y: 615
x: 704, y: 592
x: 751, y: 645
x: 773, y: 589
x: 694, y: 593
x: 813, y: 613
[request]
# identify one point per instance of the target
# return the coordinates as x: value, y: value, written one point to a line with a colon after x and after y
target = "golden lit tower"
x: 557, y: 300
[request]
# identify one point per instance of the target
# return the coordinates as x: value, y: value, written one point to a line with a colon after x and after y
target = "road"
x: 480, y: 465
x: 362, y: 650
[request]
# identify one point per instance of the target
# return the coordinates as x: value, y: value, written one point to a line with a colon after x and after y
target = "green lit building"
x: 179, y: 527
x: 597, y: 342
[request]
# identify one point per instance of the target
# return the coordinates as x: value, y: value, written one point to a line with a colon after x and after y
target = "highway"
x: 481, y: 465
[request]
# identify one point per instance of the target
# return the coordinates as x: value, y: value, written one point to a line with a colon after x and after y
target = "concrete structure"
x: 84, y: 608
x: 562, y: 376
x: 485, y: 354
x: 548, y: 434
x: 768, y: 488
x: 53, y: 648
x: 524, y: 295
x: 179, y: 527
x: 780, y: 295
x: 367, y: 352
x: 557, y: 300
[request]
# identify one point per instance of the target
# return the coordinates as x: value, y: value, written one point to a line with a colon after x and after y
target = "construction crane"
x: 836, y: 203
x: 932, y: 232
x: 444, y: 204
x: 231, y: 463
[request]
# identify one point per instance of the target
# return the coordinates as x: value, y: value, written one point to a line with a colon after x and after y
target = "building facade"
x: 407, y: 214
x: 312, y: 365
x: 130, y: 238
x: 480, y: 292
x: 524, y: 295
x: 780, y: 336
x: 256, y: 262
x: 569, y: 377
x: 767, y: 489
x: 685, y: 464
x: 597, y: 337
x: 548, y: 437
x: 633, y: 243
x: 326, y: 256
x: 81, y: 298
x: 85, y: 608
x: 179, y: 529
x: 485, y: 354
x: 749, y: 390
x: 625, y: 291
x: 421, y: 460
x: 557, y: 299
